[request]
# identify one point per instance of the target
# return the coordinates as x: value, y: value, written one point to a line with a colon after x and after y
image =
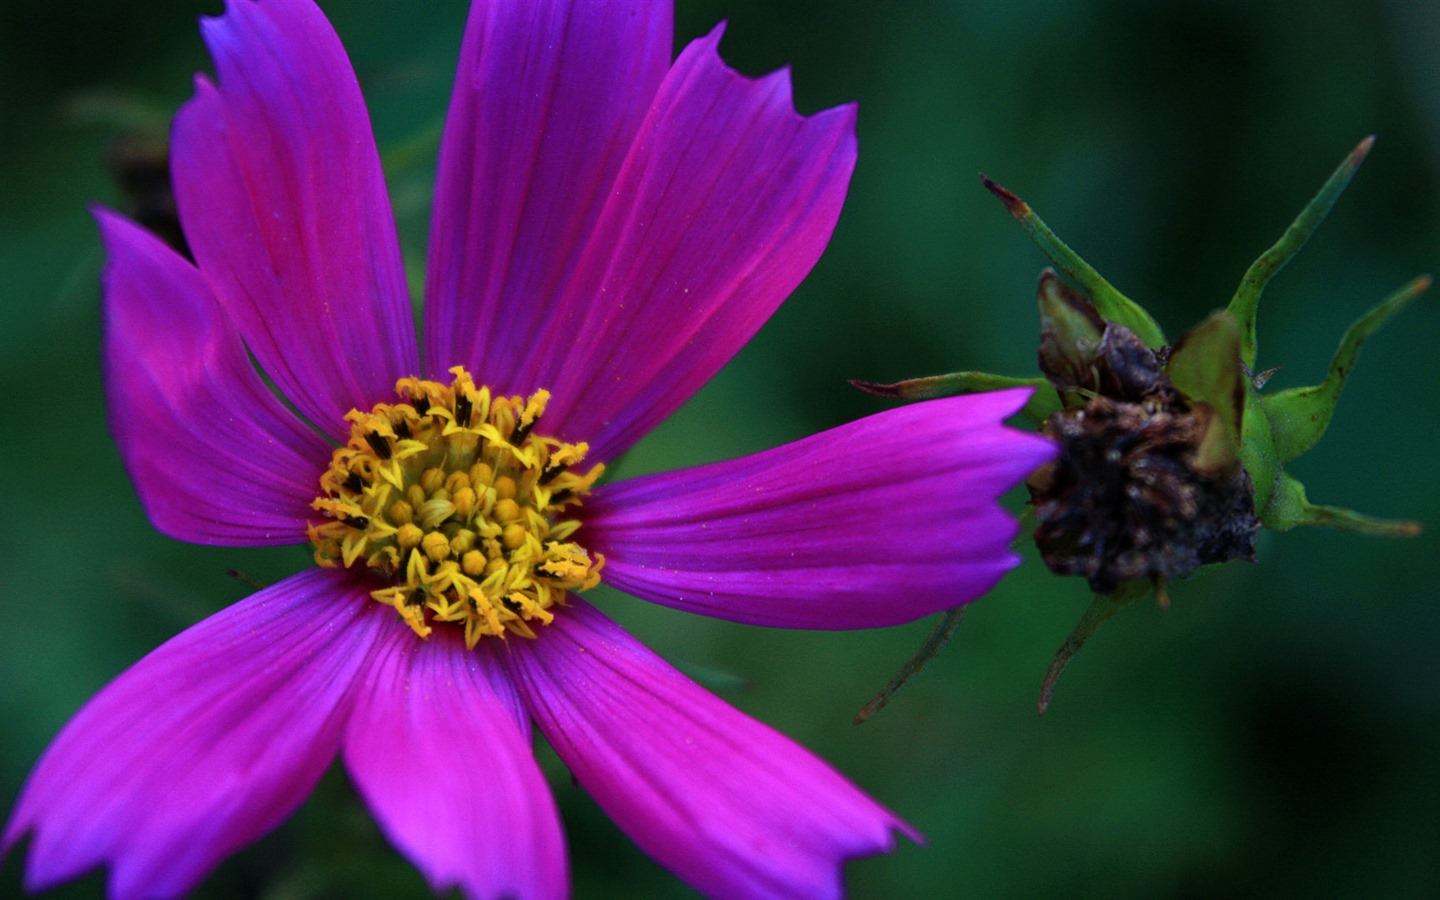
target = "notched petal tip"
x: 738, y: 195
x: 730, y: 805
x: 786, y: 537
x: 780, y: 81
x: 279, y: 188
x: 256, y: 674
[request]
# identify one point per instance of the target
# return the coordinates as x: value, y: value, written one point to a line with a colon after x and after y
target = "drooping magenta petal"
x: 728, y: 804
x: 874, y: 523
x: 439, y: 747
x: 215, y: 457
x: 724, y: 203
x: 547, y: 100
x: 283, y: 202
x: 202, y: 746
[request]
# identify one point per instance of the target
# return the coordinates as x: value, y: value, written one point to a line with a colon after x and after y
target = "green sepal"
x: 1205, y: 367
x: 1037, y: 409
x: 1072, y: 339
x: 1299, y: 416
x: 1071, y: 331
x: 938, y: 638
x: 1244, y: 304
x: 1289, y: 507
x: 1257, y: 451
x: 1101, y: 608
x: 1112, y: 304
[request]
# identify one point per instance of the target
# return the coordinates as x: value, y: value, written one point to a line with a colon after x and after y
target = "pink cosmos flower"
x: 609, y: 228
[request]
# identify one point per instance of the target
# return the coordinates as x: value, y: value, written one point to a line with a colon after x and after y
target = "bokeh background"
x: 1276, y: 731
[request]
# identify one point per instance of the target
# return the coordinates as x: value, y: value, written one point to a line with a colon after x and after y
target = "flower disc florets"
x: 452, y: 499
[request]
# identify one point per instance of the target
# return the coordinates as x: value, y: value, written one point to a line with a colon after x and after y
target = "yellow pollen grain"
x: 436, y: 546
x: 447, y: 498
x: 473, y: 563
x: 462, y: 542
x: 401, y: 513
x: 464, y: 501
x: 432, y: 480
x: 513, y: 536
x: 408, y: 536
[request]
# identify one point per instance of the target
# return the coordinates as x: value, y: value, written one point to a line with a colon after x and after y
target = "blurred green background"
x: 1275, y: 732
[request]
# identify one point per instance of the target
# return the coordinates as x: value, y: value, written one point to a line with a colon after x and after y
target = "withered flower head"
x: 1137, y: 491
x: 1171, y: 458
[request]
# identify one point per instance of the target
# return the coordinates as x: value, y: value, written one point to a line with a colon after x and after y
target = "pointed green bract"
x: 1112, y: 304
x: 939, y: 637
x: 1244, y: 304
x: 1101, y: 608
x: 1037, y: 409
x: 1350, y: 520
x: 1300, y: 415
x: 1205, y: 367
x: 1289, y: 507
x: 1162, y: 430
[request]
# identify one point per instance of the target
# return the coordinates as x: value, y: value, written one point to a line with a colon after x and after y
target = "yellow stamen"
x: 451, y: 498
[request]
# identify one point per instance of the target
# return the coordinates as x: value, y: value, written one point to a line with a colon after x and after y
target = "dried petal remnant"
x: 453, y: 500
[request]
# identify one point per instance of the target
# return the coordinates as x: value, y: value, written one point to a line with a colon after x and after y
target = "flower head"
x: 1170, y: 458
x: 609, y: 229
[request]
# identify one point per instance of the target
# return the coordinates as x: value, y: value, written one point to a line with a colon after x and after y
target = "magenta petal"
x: 202, y: 746
x: 215, y: 457
x: 874, y: 523
x: 547, y: 99
x: 440, y: 748
x: 724, y: 203
x: 728, y: 804
x: 284, y: 204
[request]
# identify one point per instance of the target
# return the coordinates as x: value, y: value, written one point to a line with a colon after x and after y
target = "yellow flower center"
x: 453, y: 500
